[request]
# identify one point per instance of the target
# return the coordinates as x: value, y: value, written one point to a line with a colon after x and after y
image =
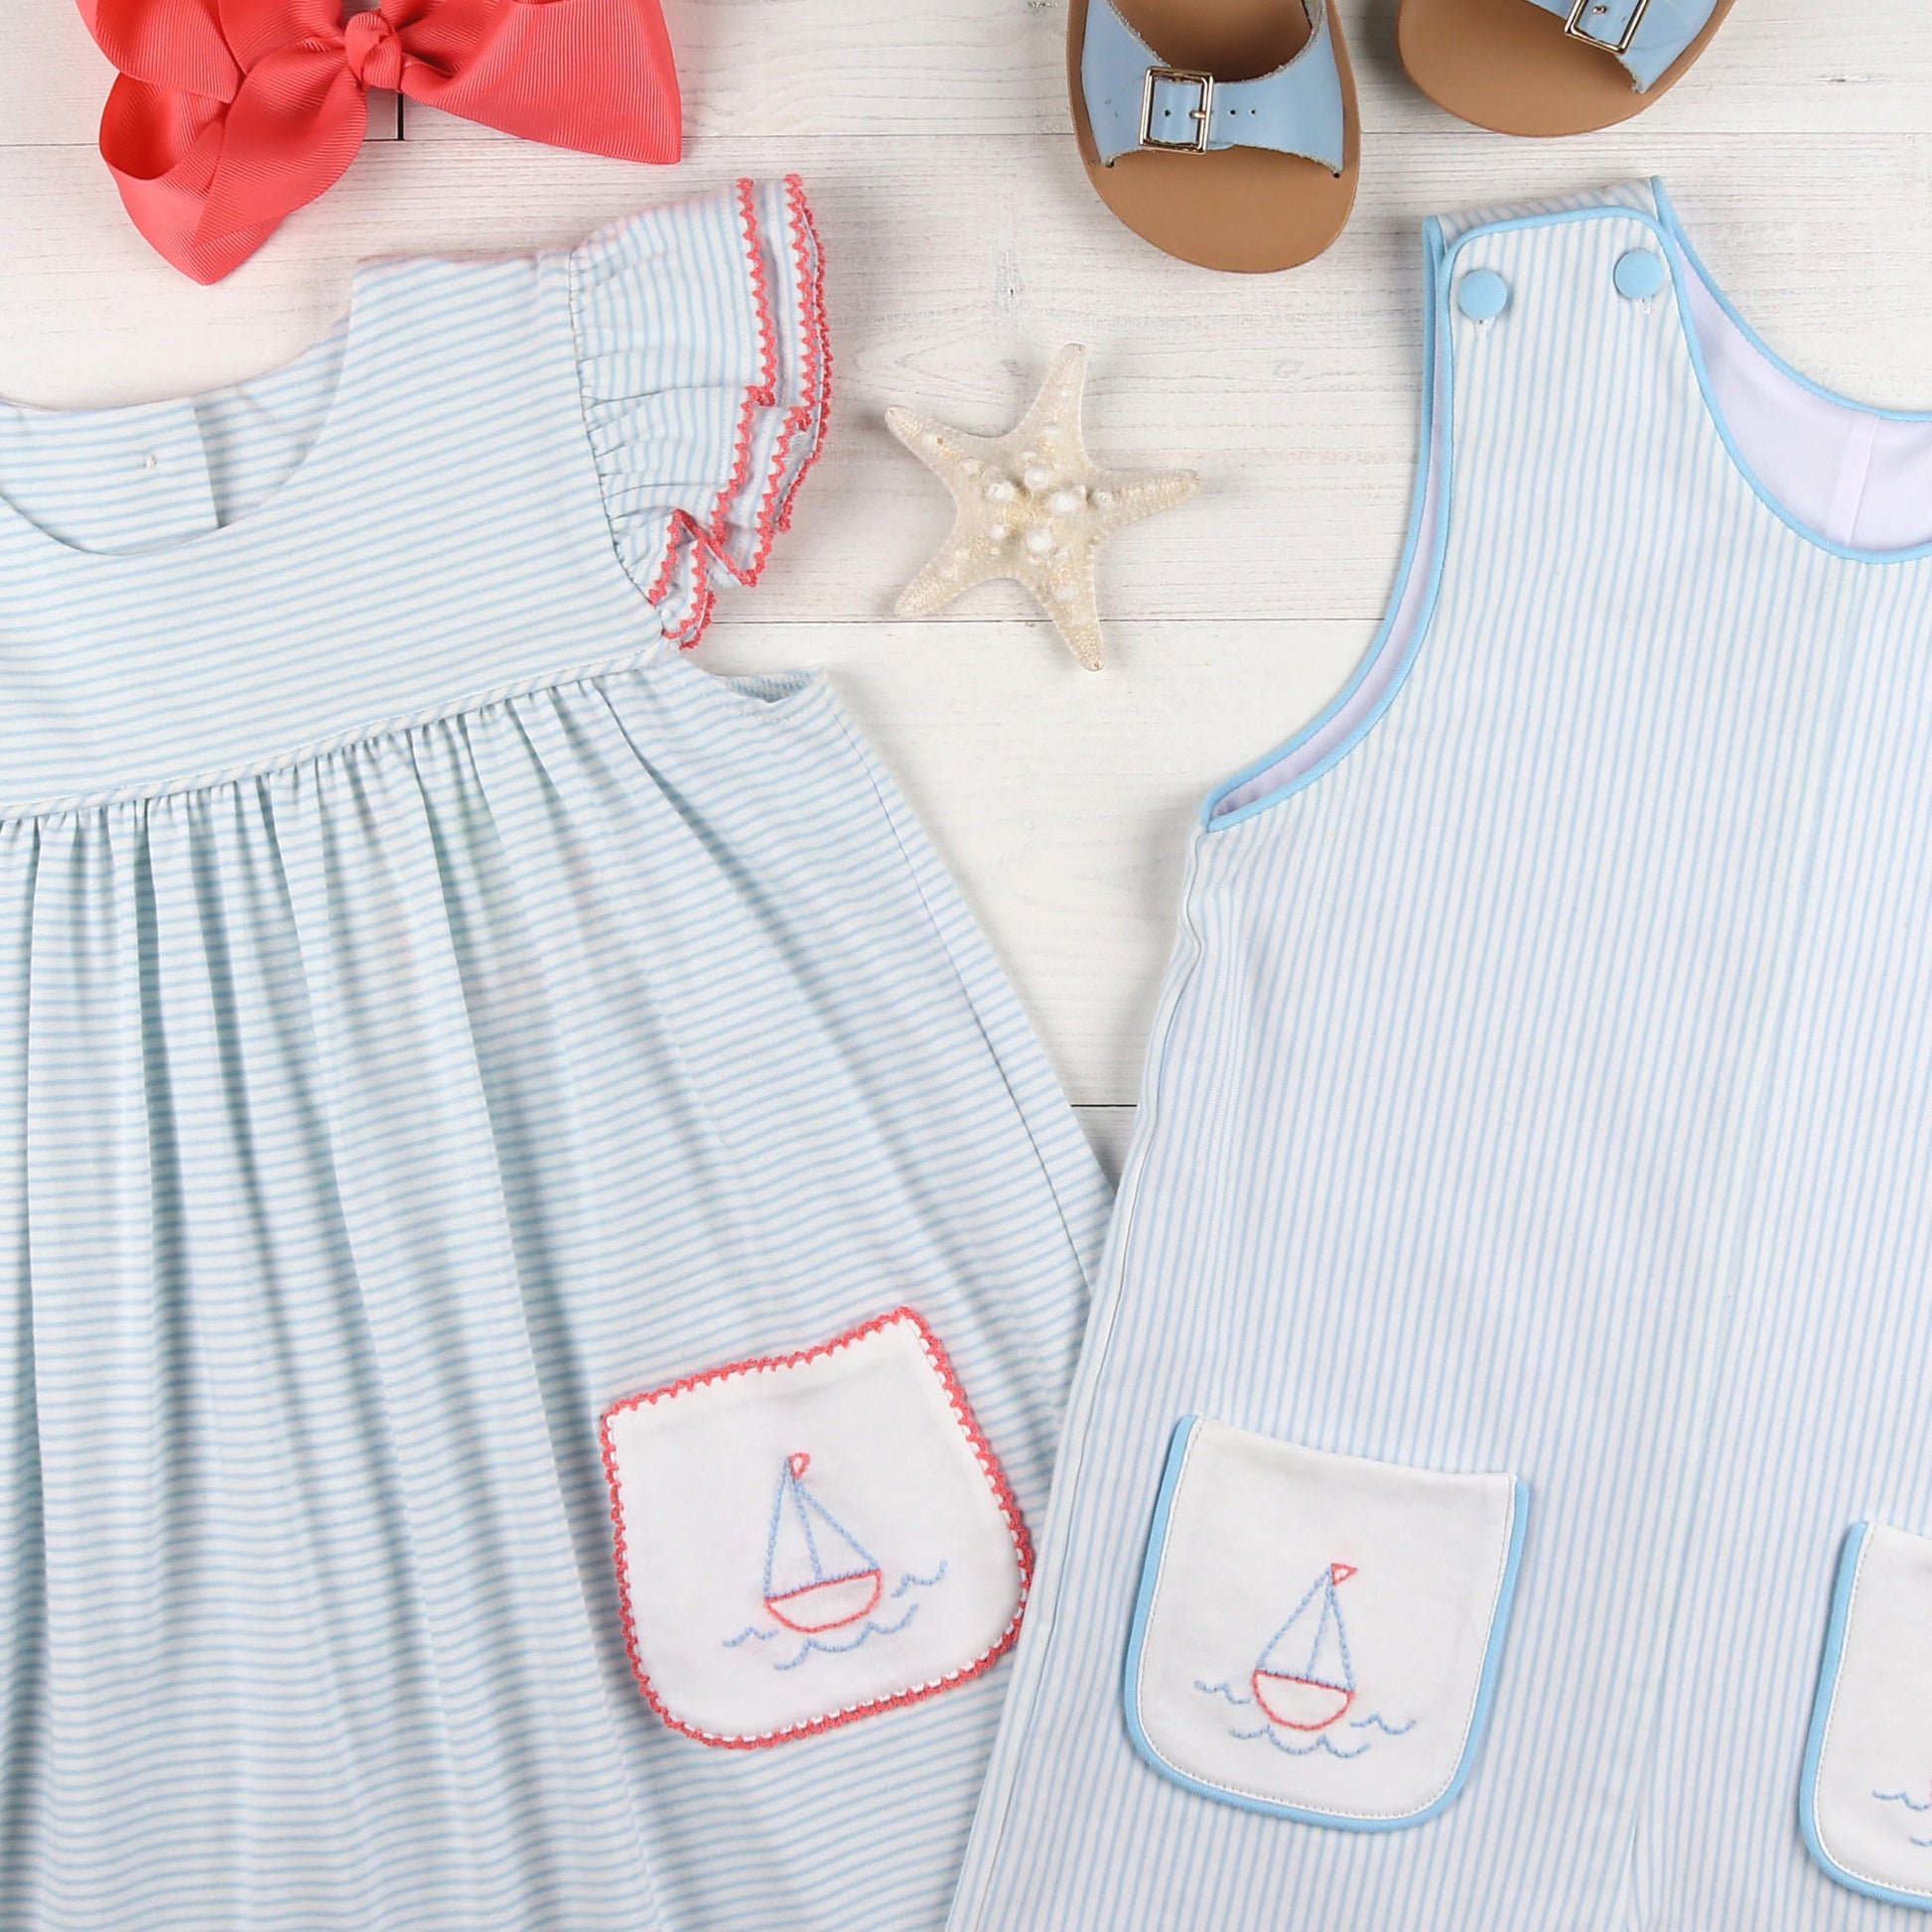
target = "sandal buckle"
x: 1201, y: 116
x: 1574, y: 26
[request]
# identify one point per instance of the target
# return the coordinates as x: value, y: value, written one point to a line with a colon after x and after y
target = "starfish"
x: 1033, y: 505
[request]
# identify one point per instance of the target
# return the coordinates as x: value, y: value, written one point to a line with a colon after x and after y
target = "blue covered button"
x: 1639, y: 274
x: 1482, y: 295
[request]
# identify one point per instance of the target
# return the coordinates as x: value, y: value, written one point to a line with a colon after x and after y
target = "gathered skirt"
x: 369, y: 1122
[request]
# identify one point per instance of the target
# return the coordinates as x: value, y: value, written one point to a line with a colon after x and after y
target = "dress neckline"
x: 287, y: 501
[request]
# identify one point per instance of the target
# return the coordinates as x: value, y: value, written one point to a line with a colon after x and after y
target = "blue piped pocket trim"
x: 1242, y: 1672
x: 1865, y: 1775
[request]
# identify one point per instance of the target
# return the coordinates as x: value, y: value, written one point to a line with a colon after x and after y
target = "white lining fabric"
x: 1854, y: 476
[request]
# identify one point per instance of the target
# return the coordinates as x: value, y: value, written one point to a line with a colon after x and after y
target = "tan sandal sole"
x: 1509, y: 65
x: 1246, y: 209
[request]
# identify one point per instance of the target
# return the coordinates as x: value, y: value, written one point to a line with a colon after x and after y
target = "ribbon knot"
x: 373, y: 49
x: 230, y: 115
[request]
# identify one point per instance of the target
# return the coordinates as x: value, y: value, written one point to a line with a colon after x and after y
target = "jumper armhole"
x: 1354, y: 712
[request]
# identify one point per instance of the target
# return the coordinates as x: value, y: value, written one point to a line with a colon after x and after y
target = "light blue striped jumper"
x: 1496, y: 1490
x: 432, y: 1010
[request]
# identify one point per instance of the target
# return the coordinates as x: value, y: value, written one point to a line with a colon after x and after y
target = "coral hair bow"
x: 230, y: 115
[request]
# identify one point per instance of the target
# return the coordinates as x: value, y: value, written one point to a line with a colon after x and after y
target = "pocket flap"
x: 804, y: 1539
x: 1865, y: 1798
x: 1316, y: 1635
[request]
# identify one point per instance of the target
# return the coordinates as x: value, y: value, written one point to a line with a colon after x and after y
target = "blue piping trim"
x: 1821, y: 1718
x: 1435, y: 285
x: 1677, y: 253
x: 1179, y: 1447
x: 1668, y: 209
x: 1684, y: 262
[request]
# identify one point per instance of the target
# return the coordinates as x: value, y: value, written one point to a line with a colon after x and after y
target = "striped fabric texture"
x: 1543, y: 1085
x: 435, y: 1010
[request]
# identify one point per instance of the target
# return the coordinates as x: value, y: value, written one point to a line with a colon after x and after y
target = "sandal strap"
x: 1647, y: 35
x: 1135, y: 102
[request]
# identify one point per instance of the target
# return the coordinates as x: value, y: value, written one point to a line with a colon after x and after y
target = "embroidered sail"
x: 1304, y: 1679
x: 817, y: 1574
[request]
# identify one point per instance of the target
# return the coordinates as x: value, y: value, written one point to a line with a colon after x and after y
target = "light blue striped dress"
x: 434, y: 1011
x: 1521, y: 1292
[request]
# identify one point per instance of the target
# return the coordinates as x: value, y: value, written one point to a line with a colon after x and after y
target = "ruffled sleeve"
x: 703, y: 366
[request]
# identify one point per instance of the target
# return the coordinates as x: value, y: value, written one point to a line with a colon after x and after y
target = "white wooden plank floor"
x: 963, y: 248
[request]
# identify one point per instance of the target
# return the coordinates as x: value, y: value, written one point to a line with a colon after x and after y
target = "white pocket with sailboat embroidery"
x: 803, y: 1539
x: 1316, y: 1635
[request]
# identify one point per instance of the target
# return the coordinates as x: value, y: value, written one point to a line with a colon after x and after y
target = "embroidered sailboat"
x: 817, y: 1576
x: 1304, y: 1679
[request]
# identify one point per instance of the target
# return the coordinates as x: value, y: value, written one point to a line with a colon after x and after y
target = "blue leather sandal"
x: 1222, y: 131
x: 1553, y: 66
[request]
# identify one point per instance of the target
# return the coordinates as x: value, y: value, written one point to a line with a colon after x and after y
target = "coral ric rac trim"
x: 710, y: 540
x: 1022, y: 1548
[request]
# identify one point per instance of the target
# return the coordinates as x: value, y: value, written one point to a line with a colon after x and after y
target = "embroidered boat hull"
x: 829, y: 1606
x: 1300, y: 1703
